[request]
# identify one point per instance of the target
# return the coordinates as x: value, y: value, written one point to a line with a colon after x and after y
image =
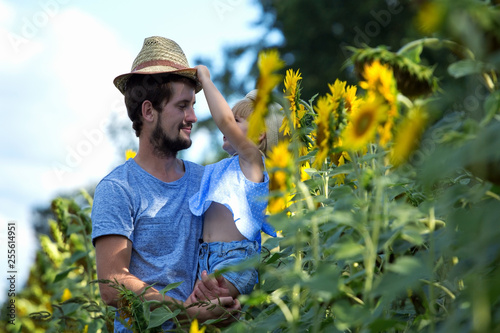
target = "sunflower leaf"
x: 466, y: 67
x: 413, y: 53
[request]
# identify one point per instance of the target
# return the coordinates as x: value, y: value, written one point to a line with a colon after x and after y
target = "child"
x: 232, y: 192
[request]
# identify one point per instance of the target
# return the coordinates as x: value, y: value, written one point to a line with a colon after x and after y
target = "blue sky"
x: 57, y: 62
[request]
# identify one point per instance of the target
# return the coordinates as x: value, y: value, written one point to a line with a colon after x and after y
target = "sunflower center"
x: 363, y: 123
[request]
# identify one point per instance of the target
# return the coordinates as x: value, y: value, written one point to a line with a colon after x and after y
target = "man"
x: 143, y: 230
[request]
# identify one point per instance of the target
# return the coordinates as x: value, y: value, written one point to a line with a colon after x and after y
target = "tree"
x: 315, y: 36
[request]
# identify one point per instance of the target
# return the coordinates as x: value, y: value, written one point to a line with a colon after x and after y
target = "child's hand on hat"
x: 203, y: 73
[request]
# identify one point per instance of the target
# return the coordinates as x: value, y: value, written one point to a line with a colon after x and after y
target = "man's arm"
x: 113, y: 255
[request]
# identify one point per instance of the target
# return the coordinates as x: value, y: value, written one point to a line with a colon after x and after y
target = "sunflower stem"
x: 432, y: 294
x: 437, y: 43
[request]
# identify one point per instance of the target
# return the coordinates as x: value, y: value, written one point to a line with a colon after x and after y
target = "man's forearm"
x: 110, y: 294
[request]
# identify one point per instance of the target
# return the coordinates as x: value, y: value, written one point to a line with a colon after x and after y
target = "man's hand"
x: 221, y: 307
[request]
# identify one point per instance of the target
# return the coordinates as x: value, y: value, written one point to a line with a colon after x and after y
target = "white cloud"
x: 16, y: 44
x: 59, y: 104
x: 6, y: 13
x: 84, y: 63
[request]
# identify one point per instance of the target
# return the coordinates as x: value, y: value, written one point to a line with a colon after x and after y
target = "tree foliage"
x: 315, y: 36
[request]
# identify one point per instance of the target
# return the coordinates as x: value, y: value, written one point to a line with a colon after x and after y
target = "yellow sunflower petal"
x: 379, y: 80
x: 129, y: 153
x: 268, y: 63
x: 430, y: 17
x: 194, y: 327
x: 408, y: 135
x: 292, y: 94
x: 66, y: 295
x: 324, y: 109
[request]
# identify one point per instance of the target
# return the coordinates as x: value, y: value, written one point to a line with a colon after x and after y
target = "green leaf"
x: 466, y: 67
x: 273, y: 258
x: 74, y: 229
x: 77, y: 256
x: 412, y: 235
x: 491, y: 106
x: 345, y: 168
x: 413, y: 53
x: 70, y: 308
x: 76, y: 300
x: 384, y: 325
x: 347, y: 250
x: 405, y: 265
x: 160, y: 315
x: 170, y: 287
x: 62, y: 275
x: 325, y: 281
x: 256, y: 298
x: 348, y: 314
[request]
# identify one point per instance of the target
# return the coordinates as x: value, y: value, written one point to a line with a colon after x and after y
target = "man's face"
x: 172, y: 131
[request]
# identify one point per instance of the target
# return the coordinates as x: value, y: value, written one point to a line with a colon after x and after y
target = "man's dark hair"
x: 155, y: 88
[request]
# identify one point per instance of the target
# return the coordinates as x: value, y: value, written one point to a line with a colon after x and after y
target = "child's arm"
x: 250, y: 155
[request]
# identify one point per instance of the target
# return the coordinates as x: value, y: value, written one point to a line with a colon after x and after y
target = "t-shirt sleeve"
x: 111, y: 211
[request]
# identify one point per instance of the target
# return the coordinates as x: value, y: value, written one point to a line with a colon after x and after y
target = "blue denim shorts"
x: 217, y: 255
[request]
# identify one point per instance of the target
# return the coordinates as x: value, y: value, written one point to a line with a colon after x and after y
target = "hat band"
x: 158, y: 63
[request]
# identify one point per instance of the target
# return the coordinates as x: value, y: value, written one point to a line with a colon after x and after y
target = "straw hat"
x: 159, y: 55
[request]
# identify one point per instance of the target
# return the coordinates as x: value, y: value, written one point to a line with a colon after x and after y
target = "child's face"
x: 243, y: 125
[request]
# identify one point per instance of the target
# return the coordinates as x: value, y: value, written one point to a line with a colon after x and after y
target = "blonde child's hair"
x: 274, y: 118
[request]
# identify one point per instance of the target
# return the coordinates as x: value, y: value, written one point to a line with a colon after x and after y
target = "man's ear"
x: 147, y: 111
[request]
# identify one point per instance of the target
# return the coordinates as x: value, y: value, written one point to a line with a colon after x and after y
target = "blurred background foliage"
x: 406, y: 249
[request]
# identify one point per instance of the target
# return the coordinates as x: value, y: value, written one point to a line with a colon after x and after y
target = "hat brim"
x: 121, y: 80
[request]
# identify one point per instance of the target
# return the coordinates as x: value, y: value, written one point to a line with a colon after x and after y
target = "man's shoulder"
x: 195, y: 168
x: 119, y: 175
x: 118, y: 171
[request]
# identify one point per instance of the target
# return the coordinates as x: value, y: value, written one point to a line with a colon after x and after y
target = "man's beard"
x: 164, y: 146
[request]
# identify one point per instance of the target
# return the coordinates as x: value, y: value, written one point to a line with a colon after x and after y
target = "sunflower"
x: 384, y: 131
x: 337, y: 92
x: 194, y: 327
x: 340, y: 178
x: 351, y: 100
x: 379, y: 80
x: 324, y: 134
x: 408, y: 135
x: 66, y: 295
x: 278, y: 204
x: 303, y: 174
x: 268, y: 62
x: 292, y: 93
x: 279, y: 163
x: 129, y: 153
x: 430, y: 17
x: 362, y: 124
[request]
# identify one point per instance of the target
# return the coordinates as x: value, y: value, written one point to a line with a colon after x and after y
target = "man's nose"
x: 191, y: 115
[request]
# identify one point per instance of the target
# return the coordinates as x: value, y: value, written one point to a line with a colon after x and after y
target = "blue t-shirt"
x: 155, y: 216
x: 224, y: 182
